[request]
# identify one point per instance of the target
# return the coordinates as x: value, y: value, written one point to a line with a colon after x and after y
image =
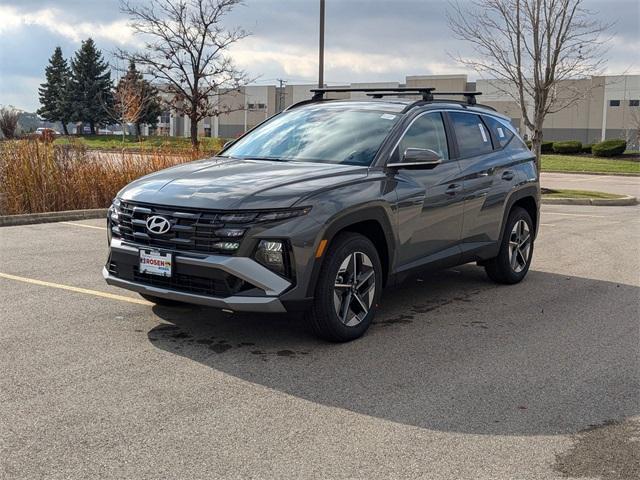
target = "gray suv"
x: 320, y: 207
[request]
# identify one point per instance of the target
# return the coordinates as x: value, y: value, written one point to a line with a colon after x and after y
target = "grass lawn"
x: 131, y: 142
x: 579, y: 164
x: 552, y: 193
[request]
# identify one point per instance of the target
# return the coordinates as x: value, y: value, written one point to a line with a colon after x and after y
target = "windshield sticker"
x: 484, y: 135
x: 387, y: 116
x: 500, y: 132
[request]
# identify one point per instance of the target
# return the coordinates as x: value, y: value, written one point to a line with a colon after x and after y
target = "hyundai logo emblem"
x: 158, y: 225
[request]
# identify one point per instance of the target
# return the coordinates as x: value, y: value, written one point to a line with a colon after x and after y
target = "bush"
x: 587, y: 148
x: 609, y: 148
x: 40, y: 177
x: 567, y: 147
x: 546, y: 147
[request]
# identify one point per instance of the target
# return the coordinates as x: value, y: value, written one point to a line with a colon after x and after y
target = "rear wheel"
x: 516, y: 249
x: 348, y: 289
x: 165, y: 302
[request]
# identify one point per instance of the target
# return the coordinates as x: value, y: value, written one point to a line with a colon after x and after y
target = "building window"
x: 634, y: 103
x: 165, y: 117
x: 614, y: 103
x: 256, y: 106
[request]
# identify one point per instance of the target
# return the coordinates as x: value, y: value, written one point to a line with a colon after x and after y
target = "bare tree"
x: 9, y: 117
x: 529, y: 47
x: 185, y: 50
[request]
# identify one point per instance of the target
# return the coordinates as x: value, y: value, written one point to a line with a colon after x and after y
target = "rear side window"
x: 472, y: 135
x: 427, y: 131
x: 501, y: 134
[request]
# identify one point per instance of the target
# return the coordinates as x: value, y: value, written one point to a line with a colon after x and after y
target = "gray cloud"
x: 365, y: 39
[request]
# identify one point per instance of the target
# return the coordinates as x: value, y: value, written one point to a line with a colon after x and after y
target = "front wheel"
x: 516, y: 249
x: 348, y: 289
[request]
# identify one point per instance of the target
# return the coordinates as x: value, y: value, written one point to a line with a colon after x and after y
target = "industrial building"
x: 609, y: 106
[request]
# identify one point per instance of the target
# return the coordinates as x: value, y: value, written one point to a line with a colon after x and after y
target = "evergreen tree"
x: 90, y: 86
x: 54, y: 93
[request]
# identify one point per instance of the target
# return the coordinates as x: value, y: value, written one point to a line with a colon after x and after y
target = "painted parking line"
x: 84, y: 291
x: 83, y: 225
x: 575, y: 214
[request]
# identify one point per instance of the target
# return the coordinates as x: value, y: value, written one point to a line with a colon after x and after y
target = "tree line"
x: 82, y: 91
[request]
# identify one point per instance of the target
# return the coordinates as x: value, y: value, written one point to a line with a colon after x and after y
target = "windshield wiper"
x: 268, y: 159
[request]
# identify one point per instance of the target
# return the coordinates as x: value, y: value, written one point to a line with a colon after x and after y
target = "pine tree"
x: 90, y: 86
x: 54, y: 93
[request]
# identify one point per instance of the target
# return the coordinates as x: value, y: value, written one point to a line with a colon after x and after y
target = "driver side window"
x: 427, y: 131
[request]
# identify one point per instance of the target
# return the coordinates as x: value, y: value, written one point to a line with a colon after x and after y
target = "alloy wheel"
x: 354, y: 289
x: 519, y: 246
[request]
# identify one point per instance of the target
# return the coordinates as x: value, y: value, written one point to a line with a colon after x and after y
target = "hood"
x: 227, y: 184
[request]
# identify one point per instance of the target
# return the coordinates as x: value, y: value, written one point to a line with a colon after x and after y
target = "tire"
x: 505, y: 268
x: 337, y: 314
x: 164, y: 302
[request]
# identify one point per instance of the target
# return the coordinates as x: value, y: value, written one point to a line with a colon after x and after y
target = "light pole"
x: 321, y: 48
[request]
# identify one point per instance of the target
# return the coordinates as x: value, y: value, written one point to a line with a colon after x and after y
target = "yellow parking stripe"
x: 86, y: 291
x: 83, y: 225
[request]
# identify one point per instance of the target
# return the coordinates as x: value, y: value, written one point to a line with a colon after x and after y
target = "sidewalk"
x: 599, y: 183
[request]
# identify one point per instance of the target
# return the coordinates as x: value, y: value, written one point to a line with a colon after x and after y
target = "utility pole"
x: 282, y: 83
x: 321, y: 49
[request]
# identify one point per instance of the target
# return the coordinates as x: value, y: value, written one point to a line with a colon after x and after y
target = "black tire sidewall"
x: 503, y: 259
x: 326, y: 321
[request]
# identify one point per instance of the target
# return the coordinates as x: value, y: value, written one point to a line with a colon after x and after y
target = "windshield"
x: 323, y: 133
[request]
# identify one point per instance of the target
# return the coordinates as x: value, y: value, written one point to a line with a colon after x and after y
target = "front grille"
x: 223, y: 286
x: 191, y: 230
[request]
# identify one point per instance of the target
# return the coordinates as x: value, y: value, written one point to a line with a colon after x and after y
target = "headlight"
x: 113, y: 219
x: 114, y: 210
x: 282, y: 215
x: 273, y: 255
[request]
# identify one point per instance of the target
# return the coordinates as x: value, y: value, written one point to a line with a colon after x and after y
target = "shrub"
x: 567, y: 147
x: 587, y: 148
x: 528, y: 142
x: 41, y: 177
x: 609, y: 148
x: 546, y: 147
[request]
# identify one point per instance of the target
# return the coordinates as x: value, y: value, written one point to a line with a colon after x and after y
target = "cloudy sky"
x: 366, y: 40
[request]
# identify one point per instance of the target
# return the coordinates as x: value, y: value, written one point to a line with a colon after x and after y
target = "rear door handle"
x: 453, y: 189
x: 507, y: 175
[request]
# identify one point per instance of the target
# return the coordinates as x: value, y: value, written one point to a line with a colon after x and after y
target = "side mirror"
x: 418, y: 158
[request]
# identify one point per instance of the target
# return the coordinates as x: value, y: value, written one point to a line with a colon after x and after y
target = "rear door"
x: 430, y: 206
x: 488, y: 179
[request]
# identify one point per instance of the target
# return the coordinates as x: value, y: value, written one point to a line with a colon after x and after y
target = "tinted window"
x: 318, y: 133
x: 614, y: 103
x: 473, y: 137
x: 501, y: 134
x: 427, y: 131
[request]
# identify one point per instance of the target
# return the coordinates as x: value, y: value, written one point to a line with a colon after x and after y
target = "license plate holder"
x: 155, y: 262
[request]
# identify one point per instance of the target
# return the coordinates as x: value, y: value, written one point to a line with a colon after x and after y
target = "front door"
x: 430, y: 202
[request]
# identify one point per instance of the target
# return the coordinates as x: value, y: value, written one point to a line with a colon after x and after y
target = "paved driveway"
x: 458, y: 378
x: 619, y: 184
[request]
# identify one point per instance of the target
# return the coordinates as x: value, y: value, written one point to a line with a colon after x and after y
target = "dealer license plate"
x: 156, y: 263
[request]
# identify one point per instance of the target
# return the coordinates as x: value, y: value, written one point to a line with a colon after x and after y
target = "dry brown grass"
x: 40, y: 177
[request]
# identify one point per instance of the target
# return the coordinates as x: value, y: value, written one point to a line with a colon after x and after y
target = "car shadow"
x: 450, y: 351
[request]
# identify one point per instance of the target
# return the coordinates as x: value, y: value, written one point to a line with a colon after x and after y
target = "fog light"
x: 270, y: 253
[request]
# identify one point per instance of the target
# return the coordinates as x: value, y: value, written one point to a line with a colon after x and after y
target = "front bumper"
x: 260, y: 291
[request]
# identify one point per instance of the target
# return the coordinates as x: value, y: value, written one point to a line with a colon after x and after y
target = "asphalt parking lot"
x: 458, y: 378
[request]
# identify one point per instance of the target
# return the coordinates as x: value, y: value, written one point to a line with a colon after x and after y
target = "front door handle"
x: 507, y: 175
x: 453, y: 189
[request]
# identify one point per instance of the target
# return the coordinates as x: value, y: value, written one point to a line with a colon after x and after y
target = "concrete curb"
x: 602, y: 202
x: 47, y: 217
